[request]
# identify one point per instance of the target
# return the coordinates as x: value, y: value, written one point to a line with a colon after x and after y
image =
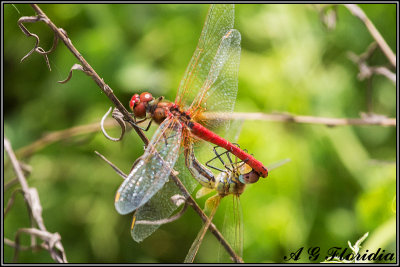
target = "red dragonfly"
x: 209, y: 84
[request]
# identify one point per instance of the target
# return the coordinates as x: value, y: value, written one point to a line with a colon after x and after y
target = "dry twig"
x: 367, y: 71
x: 378, y: 120
x: 356, y: 11
x: 52, y: 242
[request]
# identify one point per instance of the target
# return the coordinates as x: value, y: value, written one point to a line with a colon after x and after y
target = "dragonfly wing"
x: 232, y: 228
x: 220, y: 19
x: 160, y: 205
x: 235, y: 127
x: 213, y: 203
x: 152, y: 170
x: 219, y: 94
x: 219, y: 91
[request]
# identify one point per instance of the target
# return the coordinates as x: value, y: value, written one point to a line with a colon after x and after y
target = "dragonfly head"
x: 138, y: 104
x: 250, y: 177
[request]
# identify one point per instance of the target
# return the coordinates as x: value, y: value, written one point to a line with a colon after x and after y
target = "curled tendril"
x: 116, y: 114
x: 75, y: 67
x: 36, y: 48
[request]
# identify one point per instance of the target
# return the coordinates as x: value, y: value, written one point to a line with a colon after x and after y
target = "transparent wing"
x: 160, y: 205
x: 219, y: 21
x: 215, y: 200
x: 152, y: 170
x: 233, y: 133
x: 277, y: 164
x: 219, y: 91
x: 232, y: 228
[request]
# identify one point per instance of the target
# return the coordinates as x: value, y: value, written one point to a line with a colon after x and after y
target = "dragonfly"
x: 231, y: 181
x: 209, y: 85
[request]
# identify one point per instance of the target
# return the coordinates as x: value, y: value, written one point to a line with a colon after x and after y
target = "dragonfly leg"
x: 136, y: 123
x: 217, y: 156
x: 211, y: 166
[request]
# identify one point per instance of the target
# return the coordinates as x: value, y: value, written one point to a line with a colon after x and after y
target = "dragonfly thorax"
x: 228, y: 183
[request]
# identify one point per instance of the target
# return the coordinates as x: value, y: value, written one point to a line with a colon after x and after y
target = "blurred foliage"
x: 340, y: 183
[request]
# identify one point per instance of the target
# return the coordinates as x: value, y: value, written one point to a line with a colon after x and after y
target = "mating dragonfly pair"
x: 209, y: 85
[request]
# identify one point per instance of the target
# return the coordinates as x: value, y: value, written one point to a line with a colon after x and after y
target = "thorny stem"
x: 108, y: 91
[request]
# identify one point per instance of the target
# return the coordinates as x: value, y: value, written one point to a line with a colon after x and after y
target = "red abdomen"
x: 207, y: 135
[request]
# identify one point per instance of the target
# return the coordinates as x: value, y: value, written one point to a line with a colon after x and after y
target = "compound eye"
x: 139, y: 110
x: 249, y: 178
x: 134, y: 101
x: 146, y: 97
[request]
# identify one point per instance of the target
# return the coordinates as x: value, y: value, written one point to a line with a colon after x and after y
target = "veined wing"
x: 219, y: 91
x: 160, y: 205
x: 232, y: 229
x: 219, y: 21
x: 214, y: 203
x: 152, y: 170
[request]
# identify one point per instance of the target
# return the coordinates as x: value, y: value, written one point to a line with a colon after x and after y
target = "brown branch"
x: 31, y: 197
x: 377, y: 120
x: 356, y: 11
x: 109, y: 93
x: 90, y: 71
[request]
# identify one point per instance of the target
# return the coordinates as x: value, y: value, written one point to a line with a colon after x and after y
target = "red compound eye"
x: 146, y: 97
x: 140, y: 110
x: 134, y: 101
x: 249, y: 178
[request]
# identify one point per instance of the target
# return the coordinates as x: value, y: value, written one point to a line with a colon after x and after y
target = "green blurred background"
x: 340, y: 183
